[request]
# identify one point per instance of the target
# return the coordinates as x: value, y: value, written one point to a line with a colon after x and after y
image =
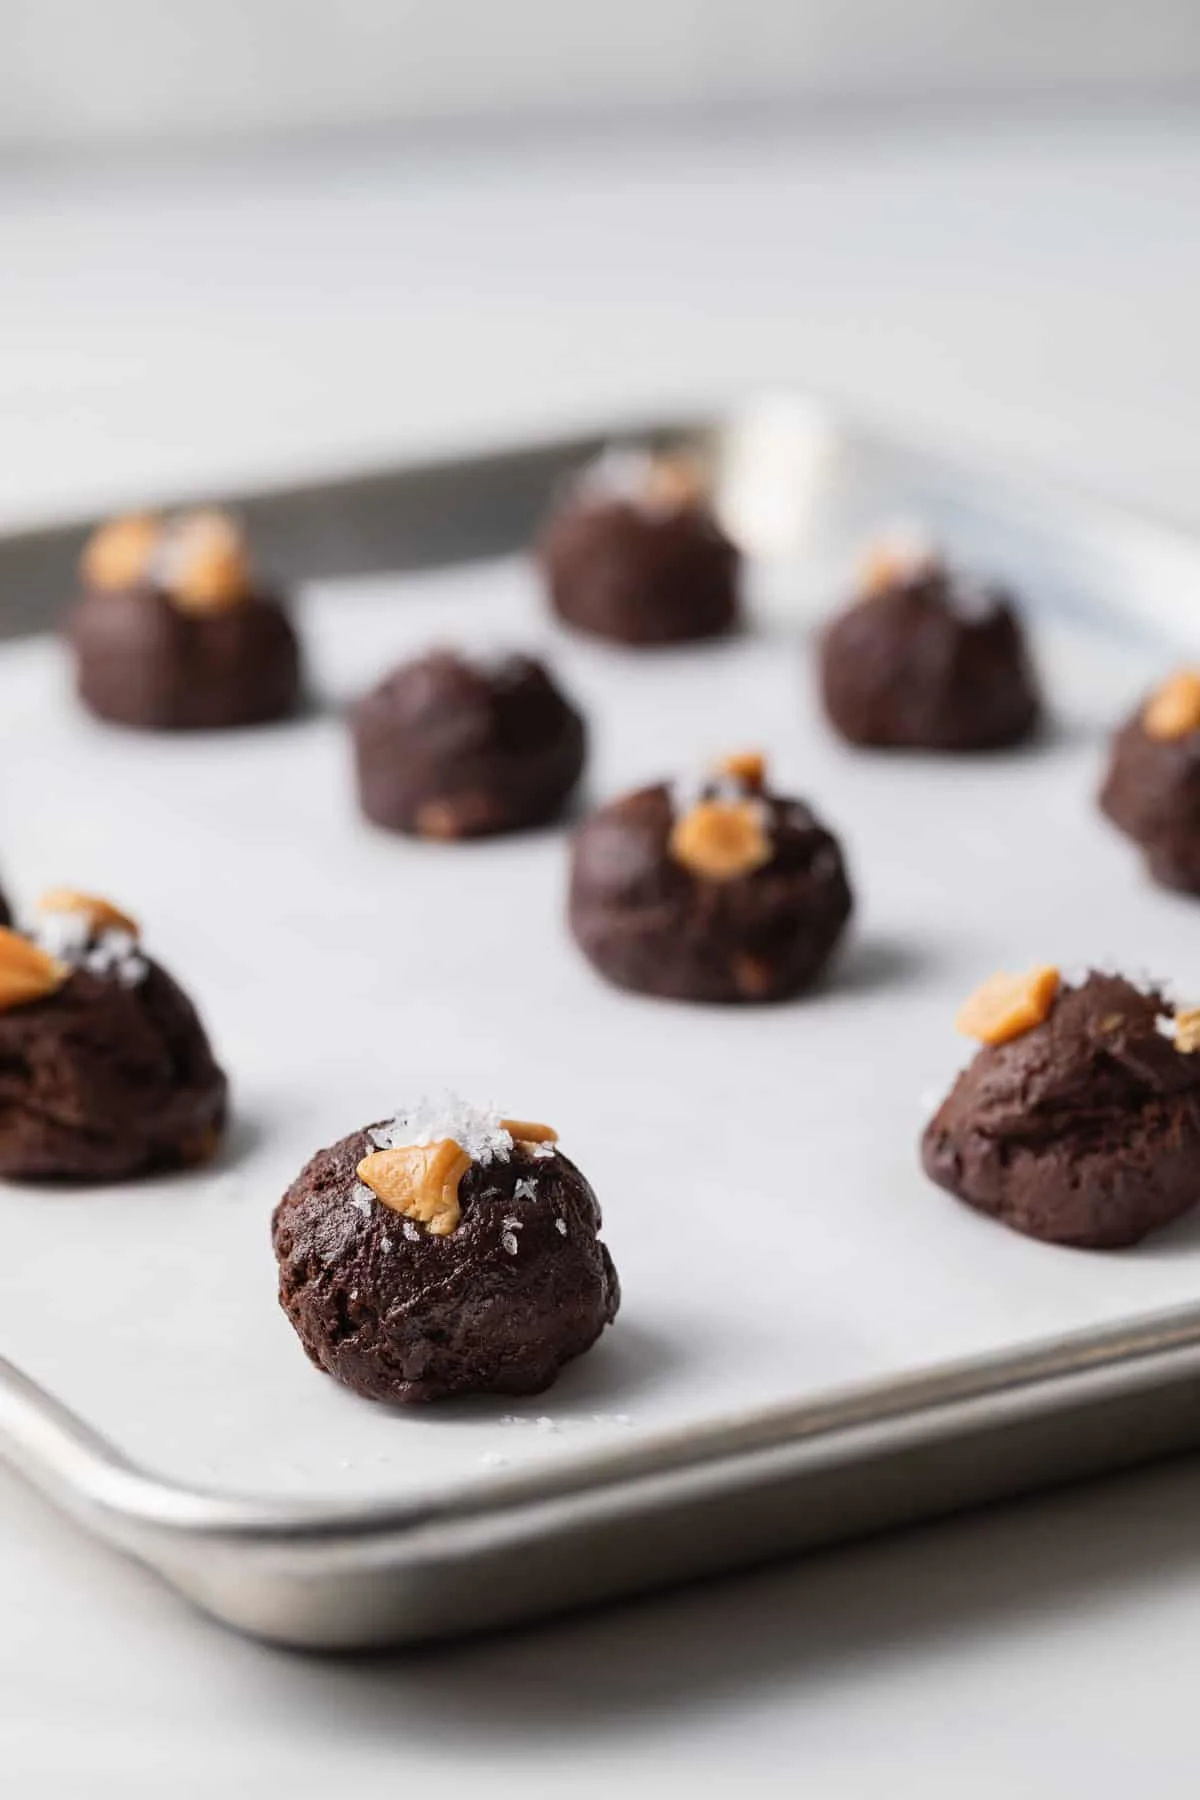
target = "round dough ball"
x: 519, y: 1287
x: 160, y: 644
x: 447, y: 747
x: 1084, y: 1130
x: 634, y: 554
x: 108, y: 1076
x: 651, y: 918
x: 927, y: 661
x: 1151, y: 792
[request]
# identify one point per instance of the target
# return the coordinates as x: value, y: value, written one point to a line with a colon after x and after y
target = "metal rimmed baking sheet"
x: 776, y: 1240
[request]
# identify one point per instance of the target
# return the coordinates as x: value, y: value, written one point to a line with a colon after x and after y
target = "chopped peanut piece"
x: 420, y: 1181
x: 100, y: 914
x: 673, y: 483
x: 118, y: 554
x: 747, y: 766
x: 1174, y: 709
x: 752, y: 976
x: 1006, y: 1006
x: 900, y: 555
x: 439, y: 819
x: 523, y: 1131
x: 27, y: 972
x: 1187, y: 1030
x: 203, y: 564
x: 721, y: 839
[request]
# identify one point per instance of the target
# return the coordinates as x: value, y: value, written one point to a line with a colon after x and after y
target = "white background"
x: 122, y: 70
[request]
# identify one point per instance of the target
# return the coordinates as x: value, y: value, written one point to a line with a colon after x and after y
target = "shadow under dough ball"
x: 927, y: 659
x: 466, y: 1263
x: 1081, y: 1128
x: 1152, y: 788
x: 726, y: 892
x: 172, y: 633
x: 105, y: 1069
x: 450, y: 748
x: 633, y: 553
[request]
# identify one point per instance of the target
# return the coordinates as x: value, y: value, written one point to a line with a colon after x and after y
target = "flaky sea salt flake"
x: 476, y: 1128
x: 63, y: 934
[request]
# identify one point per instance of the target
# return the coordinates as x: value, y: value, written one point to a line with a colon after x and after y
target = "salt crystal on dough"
x: 476, y: 1128
x: 621, y: 472
x: 113, y: 953
x: 63, y: 934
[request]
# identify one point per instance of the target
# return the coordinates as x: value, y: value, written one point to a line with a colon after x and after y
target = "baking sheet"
x: 757, y: 1168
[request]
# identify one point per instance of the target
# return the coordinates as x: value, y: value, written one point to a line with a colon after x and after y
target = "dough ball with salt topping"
x: 633, y: 552
x: 443, y: 1251
x: 174, y: 632
x: 105, y: 1068
x: 714, y: 889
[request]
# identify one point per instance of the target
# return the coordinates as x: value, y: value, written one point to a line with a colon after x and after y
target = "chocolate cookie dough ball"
x: 173, y: 633
x: 927, y: 658
x: 1078, y: 1122
x: 105, y: 1070
x: 445, y: 1251
x: 1152, y: 788
x: 714, y: 890
x: 633, y: 553
x: 450, y: 748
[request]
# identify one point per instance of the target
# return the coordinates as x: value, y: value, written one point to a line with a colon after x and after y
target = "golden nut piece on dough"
x: 721, y: 839
x: 747, y: 766
x: 118, y: 555
x: 101, y: 915
x: 673, y: 483
x: 900, y: 555
x: 1174, y: 710
x: 524, y: 1131
x: 1006, y: 1006
x: 420, y: 1181
x: 26, y: 971
x: 1187, y: 1030
x: 203, y: 565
